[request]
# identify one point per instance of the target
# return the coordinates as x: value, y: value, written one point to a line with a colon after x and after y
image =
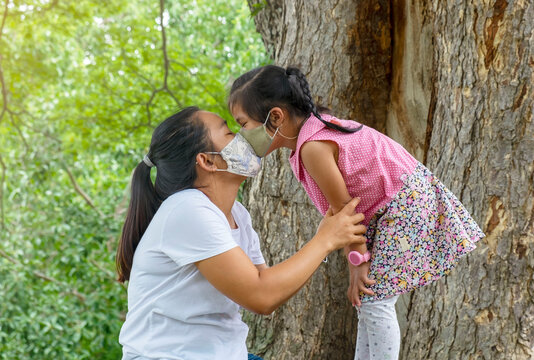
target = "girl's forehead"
x: 235, y: 108
x: 239, y: 114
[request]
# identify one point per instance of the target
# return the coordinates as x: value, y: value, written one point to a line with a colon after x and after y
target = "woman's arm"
x: 320, y: 160
x: 262, y: 291
x: 261, y: 267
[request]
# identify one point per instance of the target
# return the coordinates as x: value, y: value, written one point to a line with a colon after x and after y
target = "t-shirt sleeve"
x: 195, y: 230
x: 253, y: 247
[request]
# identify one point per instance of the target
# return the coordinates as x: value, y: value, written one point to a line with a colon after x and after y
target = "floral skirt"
x: 418, y: 236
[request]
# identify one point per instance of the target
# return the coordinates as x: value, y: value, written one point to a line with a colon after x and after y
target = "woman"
x: 189, y: 251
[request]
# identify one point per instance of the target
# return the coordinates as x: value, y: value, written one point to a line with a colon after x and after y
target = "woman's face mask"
x: 240, y: 157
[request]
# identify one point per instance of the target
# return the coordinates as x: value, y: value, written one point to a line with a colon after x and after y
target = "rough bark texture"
x: 451, y: 81
x: 411, y: 81
x: 348, y: 64
x: 482, y: 146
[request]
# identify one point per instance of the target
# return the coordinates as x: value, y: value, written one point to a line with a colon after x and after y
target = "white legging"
x: 378, y: 331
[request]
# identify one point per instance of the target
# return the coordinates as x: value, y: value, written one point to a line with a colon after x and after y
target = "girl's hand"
x: 358, y: 281
x: 344, y: 228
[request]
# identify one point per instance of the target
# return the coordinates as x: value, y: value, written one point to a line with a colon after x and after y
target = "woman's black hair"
x: 173, y: 149
x: 260, y: 89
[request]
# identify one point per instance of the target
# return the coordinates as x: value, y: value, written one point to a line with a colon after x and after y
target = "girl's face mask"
x: 240, y: 157
x: 259, y: 138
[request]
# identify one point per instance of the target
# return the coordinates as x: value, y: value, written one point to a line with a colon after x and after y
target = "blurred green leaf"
x: 85, y: 88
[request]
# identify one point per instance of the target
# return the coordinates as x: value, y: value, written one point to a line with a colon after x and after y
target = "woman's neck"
x: 223, y: 194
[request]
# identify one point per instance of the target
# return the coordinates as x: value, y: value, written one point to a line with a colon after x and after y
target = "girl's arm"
x: 264, y: 290
x: 320, y: 160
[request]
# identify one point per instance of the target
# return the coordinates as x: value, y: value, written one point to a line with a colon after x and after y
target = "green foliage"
x: 83, y: 85
x: 257, y: 7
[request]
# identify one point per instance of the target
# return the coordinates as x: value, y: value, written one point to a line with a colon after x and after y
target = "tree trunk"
x: 452, y: 82
x: 482, y: 146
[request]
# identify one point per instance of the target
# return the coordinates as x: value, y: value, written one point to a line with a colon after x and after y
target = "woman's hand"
x: 359, y: 281
x: 262, y: 290
x: 343, y: 228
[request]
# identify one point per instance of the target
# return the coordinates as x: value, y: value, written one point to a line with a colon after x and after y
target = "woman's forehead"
x: 210, y: 119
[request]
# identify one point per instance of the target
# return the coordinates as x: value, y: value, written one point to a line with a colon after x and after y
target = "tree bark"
x: 482, y: 146
x: 452, y: 82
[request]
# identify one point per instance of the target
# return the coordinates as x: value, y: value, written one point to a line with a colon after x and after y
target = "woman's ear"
x: 205, y: 162
x: 278, y: 117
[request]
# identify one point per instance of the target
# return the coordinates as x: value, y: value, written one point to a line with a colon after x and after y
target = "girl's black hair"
x: 259, y: 90
x: 174, y: 146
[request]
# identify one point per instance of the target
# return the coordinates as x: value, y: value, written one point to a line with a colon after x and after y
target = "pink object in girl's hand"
x: 355, y: 258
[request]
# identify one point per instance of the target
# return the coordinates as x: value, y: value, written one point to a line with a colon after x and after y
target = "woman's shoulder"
x: 240, y: 211
x: 184, y: 197
x: 187, y: 204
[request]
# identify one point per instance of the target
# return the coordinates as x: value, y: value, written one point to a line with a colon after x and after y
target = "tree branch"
x: 4, y: 90
x: 45, y: 277
x: 2, y: 182
x: 166, y: 62
x: 105, y: 271
x: 77, y: 188
x: 2, y: 82
x: 17, y: 128
x: 4, y: 19
x: 135, y: 71
x: 193, y: 74
x: 164, y: 42
x: 40, y: 12
x: 80, y: 191
x: 33, y: 128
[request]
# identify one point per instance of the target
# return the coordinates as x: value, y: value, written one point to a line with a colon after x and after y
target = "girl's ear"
x: 278, y: 117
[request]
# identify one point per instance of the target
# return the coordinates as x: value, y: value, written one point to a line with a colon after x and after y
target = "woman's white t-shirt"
x: 173, y: 311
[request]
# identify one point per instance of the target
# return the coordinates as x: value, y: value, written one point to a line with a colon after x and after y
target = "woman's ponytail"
x: 143, y: 205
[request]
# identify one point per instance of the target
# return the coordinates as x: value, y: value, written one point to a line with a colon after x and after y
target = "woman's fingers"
x: 358, y: 239
x: 351, y: 205
x: 359, y: 229
x: 329, y: 213
x: 357, y: 218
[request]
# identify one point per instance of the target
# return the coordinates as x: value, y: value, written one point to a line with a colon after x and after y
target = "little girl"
x: 416, y: 228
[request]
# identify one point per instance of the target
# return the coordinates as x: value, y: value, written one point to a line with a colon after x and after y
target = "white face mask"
x: 240, y: 157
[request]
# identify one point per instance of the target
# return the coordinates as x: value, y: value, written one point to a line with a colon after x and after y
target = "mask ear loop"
x: 277, y: 130
x: 215, y: 153
x: 286, y: 137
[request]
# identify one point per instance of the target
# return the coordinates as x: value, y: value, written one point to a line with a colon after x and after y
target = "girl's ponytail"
x: 174, y: 146
x: 143, y: 205
x: 302, y: 97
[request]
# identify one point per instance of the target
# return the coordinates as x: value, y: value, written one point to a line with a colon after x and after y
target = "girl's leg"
x: 382, y: 327
x: 362, y: 341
